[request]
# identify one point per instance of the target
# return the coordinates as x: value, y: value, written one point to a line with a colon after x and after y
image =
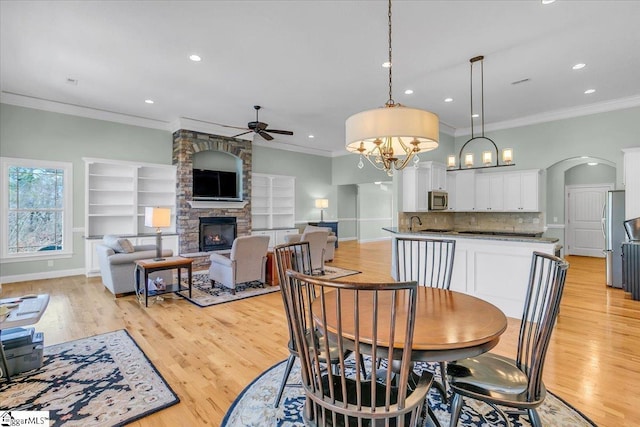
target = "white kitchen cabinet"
x: 489, y: 192
x: 417, y: 182
x: 451, y: 190
x: 522, y: 191
x: 464, y: 192
x: 414, y: 189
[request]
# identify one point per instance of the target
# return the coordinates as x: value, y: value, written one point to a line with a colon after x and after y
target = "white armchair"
x: 246, y: 263
x: 317, y: 238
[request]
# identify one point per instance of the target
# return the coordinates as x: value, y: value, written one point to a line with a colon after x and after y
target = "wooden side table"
x: 272, y: 270
x: 146, y: 266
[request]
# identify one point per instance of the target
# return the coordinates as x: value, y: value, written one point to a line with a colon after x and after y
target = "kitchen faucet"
x: 411, y: 222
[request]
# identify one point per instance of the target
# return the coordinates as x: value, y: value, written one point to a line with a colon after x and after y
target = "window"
x: 36, y: 209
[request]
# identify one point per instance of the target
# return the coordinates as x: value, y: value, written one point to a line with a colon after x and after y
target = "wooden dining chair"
x: 430, y: 263
x: 498, y: 380
x: 297, y: 257
x: 345, y: 312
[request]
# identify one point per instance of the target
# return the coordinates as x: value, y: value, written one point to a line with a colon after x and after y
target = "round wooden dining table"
x: 449, y: 325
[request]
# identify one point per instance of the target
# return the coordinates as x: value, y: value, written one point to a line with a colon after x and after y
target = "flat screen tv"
x: 214, y: 185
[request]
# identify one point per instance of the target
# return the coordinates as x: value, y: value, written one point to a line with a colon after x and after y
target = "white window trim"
x: 67, y: 231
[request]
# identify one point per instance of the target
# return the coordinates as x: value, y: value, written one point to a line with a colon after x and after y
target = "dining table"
x: 449, y: 325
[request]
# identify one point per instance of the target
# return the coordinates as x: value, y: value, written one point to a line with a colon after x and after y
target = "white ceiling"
x: 311, y: 64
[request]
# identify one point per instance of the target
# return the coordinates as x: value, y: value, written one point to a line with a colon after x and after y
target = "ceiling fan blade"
x: 281, y: 132
x: 243, y: 133
x: 265, y: 135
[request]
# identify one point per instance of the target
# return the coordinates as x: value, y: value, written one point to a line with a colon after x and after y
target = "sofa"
x: 117, y: 257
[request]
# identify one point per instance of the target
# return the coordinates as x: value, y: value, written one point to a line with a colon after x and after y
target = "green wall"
x: 36, y: 134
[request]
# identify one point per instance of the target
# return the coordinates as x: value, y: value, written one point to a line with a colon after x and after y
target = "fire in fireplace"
x: 217, y: 233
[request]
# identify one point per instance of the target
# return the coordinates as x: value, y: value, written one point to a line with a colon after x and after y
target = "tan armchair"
x: 246, y: 263
x: 317, y: 238
x: 330, y: 248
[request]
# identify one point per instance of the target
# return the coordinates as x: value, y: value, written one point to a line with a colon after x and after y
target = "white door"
x: 584, y: 205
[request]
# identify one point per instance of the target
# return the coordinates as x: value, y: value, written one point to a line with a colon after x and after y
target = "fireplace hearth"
x: 217, y: 233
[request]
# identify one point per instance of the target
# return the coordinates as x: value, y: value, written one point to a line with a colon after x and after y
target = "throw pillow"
x: 118, y: 244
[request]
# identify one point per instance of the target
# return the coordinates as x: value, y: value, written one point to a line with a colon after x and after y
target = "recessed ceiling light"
x: 547, y: 1
x: 584, y: 157
x: 579, y: 66
x: 195, y: 58
x: 475, y: 116
x: 448, y: 100
x: 589, y: 91
x: 593, y: 163
x: 386, y: 64
x: 311, y: 136
x: 149, y: 101
x: 408, y: 92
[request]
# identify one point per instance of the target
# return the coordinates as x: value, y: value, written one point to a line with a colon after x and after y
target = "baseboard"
x: 41, y: 275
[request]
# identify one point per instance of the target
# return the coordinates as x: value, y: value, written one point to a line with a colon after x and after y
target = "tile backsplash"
x: 527, y: 222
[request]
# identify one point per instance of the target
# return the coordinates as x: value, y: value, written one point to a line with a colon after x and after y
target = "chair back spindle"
x: 427, y: 261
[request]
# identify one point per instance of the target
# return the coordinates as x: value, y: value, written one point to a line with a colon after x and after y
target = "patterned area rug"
x: 204, y: 295
x: 104, y: 380
x: 254, y: 406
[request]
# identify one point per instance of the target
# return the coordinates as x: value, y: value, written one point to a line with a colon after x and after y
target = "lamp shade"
x: 157, y: 217
x: 396, y: 122
x: 322, y: 203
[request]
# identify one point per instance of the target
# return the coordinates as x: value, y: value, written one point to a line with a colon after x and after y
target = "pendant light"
x: 466, y: 162
x: 390, y: 137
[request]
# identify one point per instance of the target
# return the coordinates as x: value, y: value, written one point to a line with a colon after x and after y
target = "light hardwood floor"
x: 208, y: 355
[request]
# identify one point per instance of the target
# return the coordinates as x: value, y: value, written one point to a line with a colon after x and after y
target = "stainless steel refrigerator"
x: 614, y: 236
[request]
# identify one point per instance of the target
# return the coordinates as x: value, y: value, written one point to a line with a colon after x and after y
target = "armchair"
x: 318, y: 239
x: 246, y: 263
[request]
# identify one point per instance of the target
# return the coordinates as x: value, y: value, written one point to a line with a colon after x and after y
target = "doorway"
x: 584, y: 211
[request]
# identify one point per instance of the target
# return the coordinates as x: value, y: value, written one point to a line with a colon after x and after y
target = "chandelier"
x: 390, y: 137
x: 487, y: 156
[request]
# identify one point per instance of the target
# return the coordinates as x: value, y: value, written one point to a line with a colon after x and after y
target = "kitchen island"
x: 492, y: 266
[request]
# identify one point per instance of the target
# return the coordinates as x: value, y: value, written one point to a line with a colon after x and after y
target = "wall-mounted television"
x: 215, y: 185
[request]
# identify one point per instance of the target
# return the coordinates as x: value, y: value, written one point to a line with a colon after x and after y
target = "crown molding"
x: 207, y: 127
x: 79, y: 110
x: 568, y: 113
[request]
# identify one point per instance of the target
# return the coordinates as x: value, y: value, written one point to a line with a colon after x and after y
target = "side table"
x: 146, y: 266
x: 15, y: 319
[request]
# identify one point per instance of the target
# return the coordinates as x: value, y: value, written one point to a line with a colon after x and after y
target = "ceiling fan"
x: 261, y: 128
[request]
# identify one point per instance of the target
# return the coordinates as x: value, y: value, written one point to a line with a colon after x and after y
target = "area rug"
x: 205, y: 295
x: 332, y: 273
x: 104, y: 380
x: 254, y: 406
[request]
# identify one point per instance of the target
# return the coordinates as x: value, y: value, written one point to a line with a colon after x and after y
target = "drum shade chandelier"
x: 391, y: 136
x: 487, y: 156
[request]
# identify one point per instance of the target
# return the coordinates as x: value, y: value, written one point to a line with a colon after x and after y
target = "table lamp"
x: 159, y: 218
x: 322, y: 204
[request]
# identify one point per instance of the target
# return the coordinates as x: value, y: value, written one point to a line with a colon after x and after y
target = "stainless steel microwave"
x: 438, y: 200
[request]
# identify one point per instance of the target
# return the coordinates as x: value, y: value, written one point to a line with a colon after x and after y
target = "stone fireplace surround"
x: 185, y: 144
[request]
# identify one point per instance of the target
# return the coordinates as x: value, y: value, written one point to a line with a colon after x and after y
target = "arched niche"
x: 571, y: 171
x: 217, y: 160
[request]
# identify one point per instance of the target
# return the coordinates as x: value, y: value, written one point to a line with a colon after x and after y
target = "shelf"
x: 201, y: 204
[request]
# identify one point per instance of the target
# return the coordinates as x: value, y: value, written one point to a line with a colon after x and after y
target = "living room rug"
x: 332, y: 273
x: 104, y: 380
x: 205, y: 295
x: 254, y: 406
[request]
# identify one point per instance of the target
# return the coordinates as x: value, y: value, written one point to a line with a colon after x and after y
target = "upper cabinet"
x: 418, y: 181
x: 522, y: 191
x: 117, y: 193
x: 480, y: 191
x: 489, y: 192
x: 273, y: 202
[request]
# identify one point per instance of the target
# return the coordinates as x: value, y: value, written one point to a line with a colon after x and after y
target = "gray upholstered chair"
x: 330, y: 248
x: 317, y: 238
x: 498, y: 380
x: 117, y: 257
x: 246, y: 262
x: 339, y: 398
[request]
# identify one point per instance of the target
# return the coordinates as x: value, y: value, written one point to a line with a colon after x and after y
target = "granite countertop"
x: 483, y: 235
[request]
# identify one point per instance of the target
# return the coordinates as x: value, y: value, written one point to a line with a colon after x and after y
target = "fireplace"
x: 217, y: 233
